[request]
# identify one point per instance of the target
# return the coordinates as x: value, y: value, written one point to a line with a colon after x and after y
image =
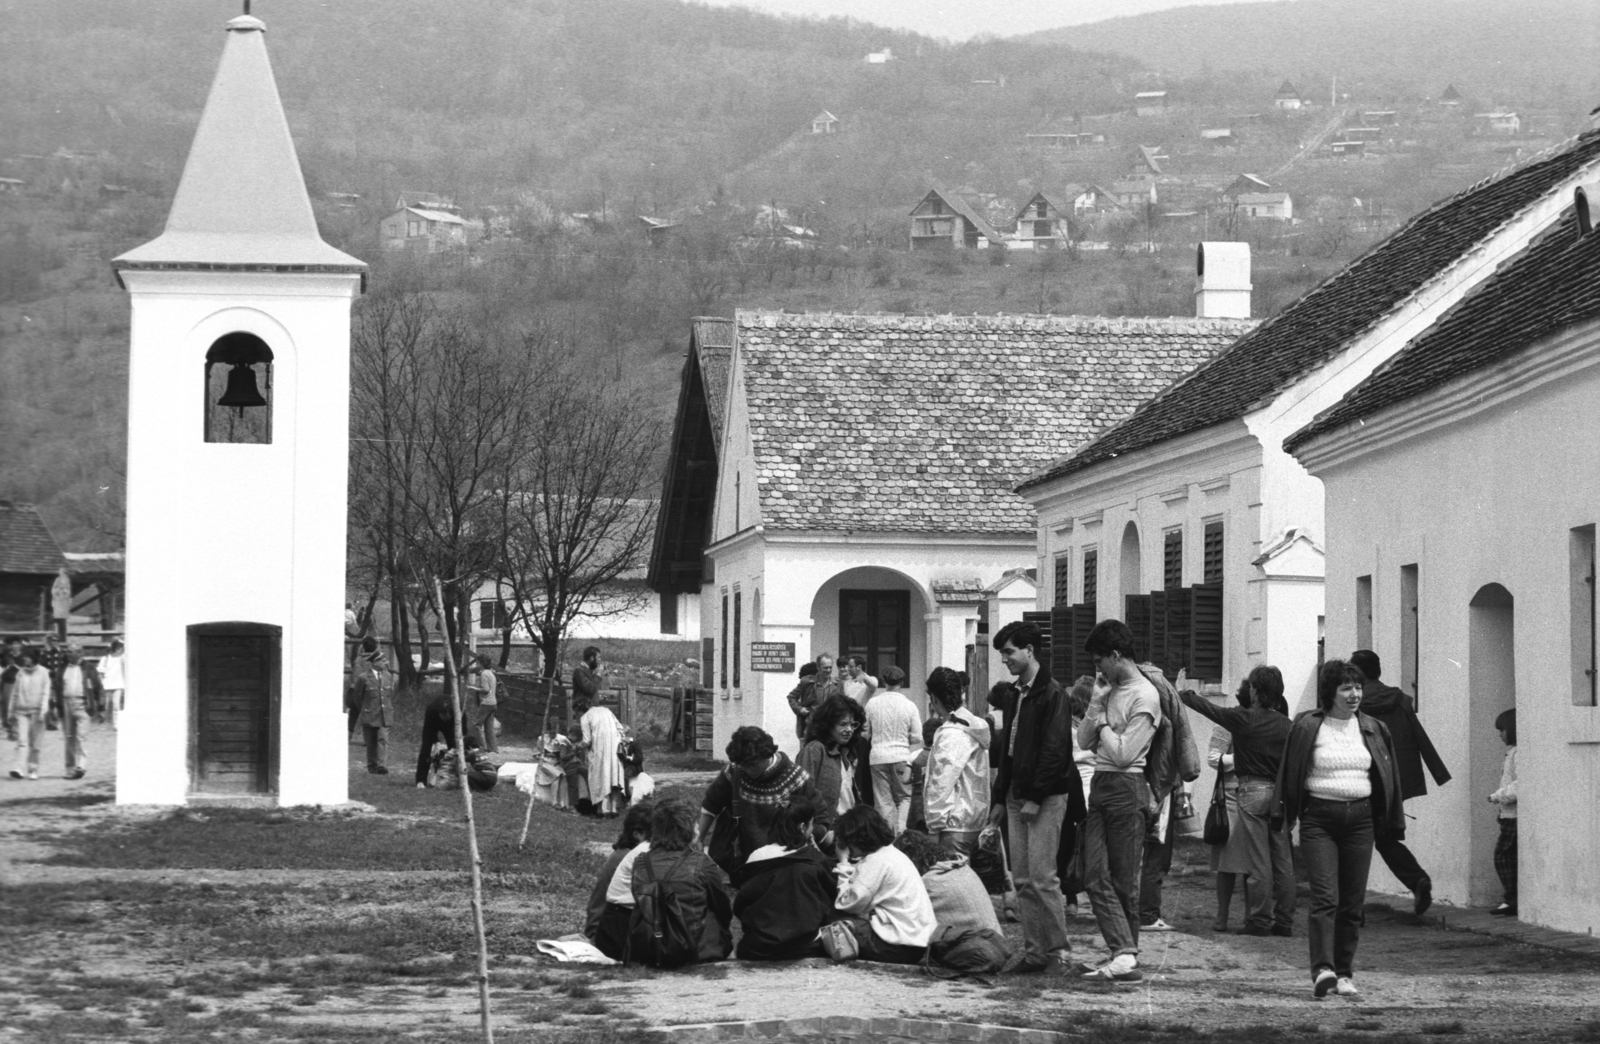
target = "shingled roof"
x: 1550, y: 286
x: 713, y: 342
x: 1312, y: 330
x: 26, y: 545
x: 922, y: 423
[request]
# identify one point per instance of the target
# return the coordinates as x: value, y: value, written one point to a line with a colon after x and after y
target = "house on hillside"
x: 1195, y: 486
x: 883, y: 57
x: 1152, y: 103
x: 1347, y: 147
x: 1271, y: 206
x: 1366, y: 134
x: 1147, y: 161
x: 1134, y: 195
x: 1451, y: 98
x: 1479, y: 598
x: 31, y: 563
x: 1381, y: 117
x: 861, y: 499
x: 422, y: 230
x: 946, y: 221
x: 824, y: 122
x: 427, y: 201
x: 1497, y: 122
x: 1218, y: 137
x: 1288, y: 98
x: 1246, y: 183
x: 1040, y: 224
x: 1058, y: 138
x: 12, y: 184
x: 656, y: 230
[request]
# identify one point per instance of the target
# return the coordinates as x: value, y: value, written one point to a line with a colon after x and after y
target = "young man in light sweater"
x: 896, y: 728
x: 1122, y: 719
x: 30, y: 702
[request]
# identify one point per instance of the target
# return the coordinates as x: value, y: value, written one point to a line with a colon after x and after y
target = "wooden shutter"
x: 1205, y: 661
x: 1042, y: 618
x: 1180, y: 617
x: 1172, y: 559
x: 1212, y: 556
x: 1083, y: 621
x: 1137, y: 616
x: 708, y: 662
x: 1158, y: 629
x: 1061, y: 631
x: 1091, y: 576
x: 1063, y: 579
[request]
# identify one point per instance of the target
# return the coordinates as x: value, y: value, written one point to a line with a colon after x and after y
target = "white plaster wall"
x: 1503, y: 491
x: 236, y: 532
x: 642, y: 621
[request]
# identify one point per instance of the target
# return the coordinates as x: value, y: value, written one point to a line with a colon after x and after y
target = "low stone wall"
x: 847, y: 1029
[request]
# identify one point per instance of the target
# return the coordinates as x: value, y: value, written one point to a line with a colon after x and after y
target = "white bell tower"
x: 238, y: 422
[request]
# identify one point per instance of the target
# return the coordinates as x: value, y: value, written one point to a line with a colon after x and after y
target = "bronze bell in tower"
x: 241, y: 390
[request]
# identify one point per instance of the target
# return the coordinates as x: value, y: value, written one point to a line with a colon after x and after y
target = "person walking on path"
x: 1120, y: 724
x: 1413, y: 748
x: 113, y: 681
x: 1505, y: 849
x: 1257, y: 729
x: 602, y: 739
x: 487, y: 701
x: 837, y: 757
x: 1339, y: 779
x: 895, y: 726
x: 30, y: 702
x: 955, y: 798
x: 372, y: 694
x: 79, y: 685
x: 1035, y: 793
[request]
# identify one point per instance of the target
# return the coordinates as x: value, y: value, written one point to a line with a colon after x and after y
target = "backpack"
x: 971, y: 951
x: 1173, y: 754
x: 658, y: 932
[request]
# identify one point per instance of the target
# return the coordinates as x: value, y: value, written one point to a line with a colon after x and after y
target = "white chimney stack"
x: 1222, y: 281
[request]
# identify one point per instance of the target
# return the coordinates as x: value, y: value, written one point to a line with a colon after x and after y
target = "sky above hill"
x: 960, y: 19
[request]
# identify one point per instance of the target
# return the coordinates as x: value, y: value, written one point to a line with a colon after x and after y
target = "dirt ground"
x: 111, y: 952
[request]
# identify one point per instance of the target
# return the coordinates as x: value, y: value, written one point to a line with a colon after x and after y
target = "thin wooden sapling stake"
x: 454, y: 689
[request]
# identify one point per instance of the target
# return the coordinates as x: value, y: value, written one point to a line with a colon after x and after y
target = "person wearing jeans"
x: 1339, y: 779
x: 30, y: 701
x: 1121, y: 721
x: 896, y: 730
x: 1036, y: 793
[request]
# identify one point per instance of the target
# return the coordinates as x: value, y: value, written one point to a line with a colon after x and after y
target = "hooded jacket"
x: 1412, y: 746
x: 1388, y: 808
x: 1041, y: 765
x: 956, y: 793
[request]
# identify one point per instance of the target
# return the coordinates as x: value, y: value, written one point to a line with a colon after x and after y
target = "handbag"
x: 839, y: 942
x: 1216, y: 828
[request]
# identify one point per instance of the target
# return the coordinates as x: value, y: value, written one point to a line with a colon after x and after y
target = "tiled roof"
x: 1309, y: 332
x: 1552, y: 285
x: 923, y: 423
x: 963, y: 591
x: 26, y: 545
x: 962, y: 207
x: 713, y: 338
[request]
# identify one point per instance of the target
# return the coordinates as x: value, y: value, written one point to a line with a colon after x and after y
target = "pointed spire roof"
x: 242, y: 201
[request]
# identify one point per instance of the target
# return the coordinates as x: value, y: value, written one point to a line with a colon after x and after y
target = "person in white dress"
x: 602, y: 737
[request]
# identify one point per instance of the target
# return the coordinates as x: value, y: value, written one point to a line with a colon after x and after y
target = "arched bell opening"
x: 238, y: 390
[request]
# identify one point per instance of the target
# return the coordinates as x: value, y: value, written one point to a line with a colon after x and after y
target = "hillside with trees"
x: 556, y: 127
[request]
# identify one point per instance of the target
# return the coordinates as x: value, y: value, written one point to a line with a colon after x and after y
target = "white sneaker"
x: 1346, y: 987
x: 33, y: 775
x: 1158, y: 925
x: 1323, y: 983
x: 1124, y: 967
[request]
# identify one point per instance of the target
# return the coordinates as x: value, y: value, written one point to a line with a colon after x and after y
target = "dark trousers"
x: 1398, y: 858
x: 377, y: 738
x: 1157, y: 863
x: 1336, y: 843
x: 435, y: 727
x: 874, y: 948
x: 1113, y: 852
x: 1505, y: 859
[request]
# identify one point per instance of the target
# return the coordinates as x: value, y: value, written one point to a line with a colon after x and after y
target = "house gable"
x: 26, y: 546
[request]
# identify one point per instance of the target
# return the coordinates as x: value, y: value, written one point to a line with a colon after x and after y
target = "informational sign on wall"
x: 774, y: 657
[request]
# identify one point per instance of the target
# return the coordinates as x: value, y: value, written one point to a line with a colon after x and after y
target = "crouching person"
x: 788, y: 891
x: 682, y: 908
x: 881, y: 891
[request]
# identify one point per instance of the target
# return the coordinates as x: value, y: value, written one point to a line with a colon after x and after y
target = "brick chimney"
x: 1222, y: 281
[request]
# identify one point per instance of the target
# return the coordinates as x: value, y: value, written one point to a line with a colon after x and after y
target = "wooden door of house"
x: 235, y: 679
x: 876, y: 625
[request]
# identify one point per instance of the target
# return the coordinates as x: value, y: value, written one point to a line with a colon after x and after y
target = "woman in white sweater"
x: 880, y: 890
x: 1505, y: 849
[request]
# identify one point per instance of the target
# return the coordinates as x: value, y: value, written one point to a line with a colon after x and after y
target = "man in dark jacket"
x: 1037, y: 792
x: 1411, y: 747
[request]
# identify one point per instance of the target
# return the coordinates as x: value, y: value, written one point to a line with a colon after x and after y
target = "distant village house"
x: 945, y: 221
x: 824, y: 122
x: 1151, y: 103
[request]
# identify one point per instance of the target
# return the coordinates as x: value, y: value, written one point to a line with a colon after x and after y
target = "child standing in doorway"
x: 1505, y: 850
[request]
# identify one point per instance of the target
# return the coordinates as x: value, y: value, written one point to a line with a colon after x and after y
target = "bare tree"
x: 576, y: 514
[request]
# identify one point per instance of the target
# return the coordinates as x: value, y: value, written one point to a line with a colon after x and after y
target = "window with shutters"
x: 738, y: 647
x: 1063, y: 576
x: 1091, y: 576
x: 722, y: 642
x: 1172, y: 558
x: 1408, y: 633
x: 1582, y: 584
x: 1363, y: 612
x: 492, y: 615
x: 669, y: 613
x: 1212, y: 556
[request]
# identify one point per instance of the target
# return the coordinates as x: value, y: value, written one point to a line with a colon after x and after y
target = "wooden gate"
x: 234, y: 686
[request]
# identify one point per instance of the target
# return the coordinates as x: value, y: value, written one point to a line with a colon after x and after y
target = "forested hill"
x: 1513, y: 52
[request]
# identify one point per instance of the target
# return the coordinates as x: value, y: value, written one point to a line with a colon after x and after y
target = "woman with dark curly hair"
x: 759, y: 781
x: 833, y: 756
x: 881, y: 891
x: 1338, y: 777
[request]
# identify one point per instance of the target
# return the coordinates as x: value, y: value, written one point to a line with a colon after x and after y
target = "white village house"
x: 846, y: 487
x: 1462, y: 505
x: 1192, y: 499
x: 238, y: 668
